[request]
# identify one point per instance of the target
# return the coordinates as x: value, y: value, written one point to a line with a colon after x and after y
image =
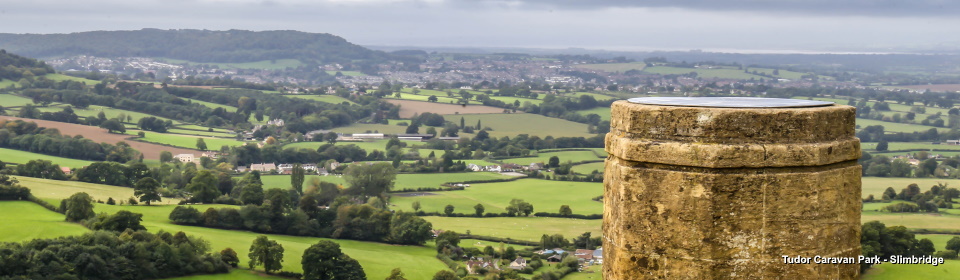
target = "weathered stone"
x: 721, y: 193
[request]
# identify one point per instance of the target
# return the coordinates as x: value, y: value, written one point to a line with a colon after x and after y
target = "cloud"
x: 880, y: 8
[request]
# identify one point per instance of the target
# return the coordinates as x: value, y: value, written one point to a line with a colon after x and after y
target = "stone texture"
x: 721, y: 193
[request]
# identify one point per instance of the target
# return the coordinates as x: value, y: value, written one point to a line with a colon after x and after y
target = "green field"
x: 63, y: 189
x: 18, y: 156
x: 263, y: 64
x: 947, y: 270
x: 719, y: 73
x: 544, y: 195
x: 24, y: 220
x: 212, y: 105
x: 615, y: 67
x: 404, y: 181
x: 603, y: 112
x: 10, y: 100
x: 876, y: 185
x: 61, y: 77
x: 514, y: 124
x: 235, y: 274
x: 588, y: 168
x: 199, y: 132
x: 893, y: 146
x: 372, y: 127
x: 332, y: 99
x: 898, y: 127
x: 529, y: 229
x: 109, y: 112
x: 564, y: 156
x: 369, y: 146
x: 441, y: 98
x: 187, y: 141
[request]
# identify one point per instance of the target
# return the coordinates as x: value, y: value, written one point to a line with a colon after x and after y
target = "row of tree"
x: 27, y: 136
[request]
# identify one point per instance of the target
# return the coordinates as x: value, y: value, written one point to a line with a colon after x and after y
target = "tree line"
x: 28, y: 136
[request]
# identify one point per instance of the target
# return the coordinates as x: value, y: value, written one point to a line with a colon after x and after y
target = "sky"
x: 719, y: 25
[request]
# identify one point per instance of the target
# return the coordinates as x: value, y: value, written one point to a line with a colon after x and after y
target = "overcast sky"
x: 839, y: 25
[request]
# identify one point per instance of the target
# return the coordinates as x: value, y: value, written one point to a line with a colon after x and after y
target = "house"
x: 184, y: 157
x: 953, y: 142
x: 241, y: 169
x: 583, y: 254
x: 555, y: 258
x: 309, y: 167
x: 210, y: 154
x: 322, y: 171
x: 474, y: 167
x: 276, y: 122
x: 518, y: 264
x: 473, y: 266
x: 535, y: 166
x: 509, y: 167
x: 334, y: 165
x: 598, y: 255
x: 285, y: 168
x: 66, y: 170
x: 263, y: 167
x: 492, y: 168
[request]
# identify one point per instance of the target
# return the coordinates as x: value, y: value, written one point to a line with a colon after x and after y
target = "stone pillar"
x: 722, y: 188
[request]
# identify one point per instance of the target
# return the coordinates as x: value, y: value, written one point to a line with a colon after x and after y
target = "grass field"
x: 61, y: 77
x: 24, y: 220
x: 371, y: 127
x: 332, y: 99
x: 615, y: 67
x: 529, y: 229
x: 53, y: 189
x: 544, y: 195
x: 564, y: 156
x: 109, y: 112
x: 213, y: 105
x: 235, y: 274
x: 199, y: 132
x: 514, y: 124
x: 369, y: 146
x: 588, y: 168
x: 18, y: 156
x: 263, y: 64
x: 410, y: 181
x: 898, y: 127
x: 885, y: 271
x: 910, y: 146
x: 876, y: 185
x: 187, y: 141
x: 603, y: 112
x: 409, y: 108
x: 719, y: 73
x: 10, y: 100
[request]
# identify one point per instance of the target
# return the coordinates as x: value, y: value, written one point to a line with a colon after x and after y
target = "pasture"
x: 25, y: 220
x: 884, y: 271
x: 332, y: 99
x: 719, y: 73
x: 408, y: 108
x: 544, y: 195
x: 893, y: 146
x: 404, y: 181
x: 62, y: 77
x: 603, y: 112
x: 615, y: 67
x: 898, y: 127
x: 588, y: 168
x: 371, y: 128
x: 109, y: 112
x: 876, y: 185
x: 211, y: 104
x: 514, y: 124
x: 53, y: 189
x: 199, y: 132
x: 18, y: 156
x: 519, y: 228
x: 10, y: 100
x: 187, y: 141
x: 564, y: 156
x: 347, y: 73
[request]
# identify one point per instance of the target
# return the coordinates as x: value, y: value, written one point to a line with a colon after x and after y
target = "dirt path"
x: 149, y: 150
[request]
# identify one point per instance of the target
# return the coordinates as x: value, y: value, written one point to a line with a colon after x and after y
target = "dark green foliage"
x: 120, y: 221
x: 204, y: 187
x: 10, y: 189
x: 266, y: 252
x: 565, y: 210
x: 445, y: 275
x: 27, y: 136
x: 40, y: 168
x: 370, y: 180
x: 407, y: 228
x: 109, y: 255
x: 79, y: 207
x: 154, y: 124
x: 479, y: 209
x: 229, y: 256
x: 147, y: 189
x: 15, y: 67
x: 324, y: 260
x: 296, y: 179
x: 519, y: 207
x: 185, y: 215
x: 880, y: 240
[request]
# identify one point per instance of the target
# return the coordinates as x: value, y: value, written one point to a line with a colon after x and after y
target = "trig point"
x: 724, y: 187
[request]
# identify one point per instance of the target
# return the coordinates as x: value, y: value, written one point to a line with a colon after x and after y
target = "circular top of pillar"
x: 729, y: 102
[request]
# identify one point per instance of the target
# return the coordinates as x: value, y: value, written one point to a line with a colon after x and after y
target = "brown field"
x: 149, y: 150
x: 940, y: 88
x: 410, y: 107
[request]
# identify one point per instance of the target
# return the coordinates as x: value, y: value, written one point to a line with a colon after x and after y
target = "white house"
x: 184, y: 157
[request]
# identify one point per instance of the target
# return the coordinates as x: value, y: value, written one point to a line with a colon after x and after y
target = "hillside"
x: 13, y: 67
x: 193, y: 45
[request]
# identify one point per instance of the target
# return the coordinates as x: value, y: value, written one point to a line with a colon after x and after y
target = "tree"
x: 229, y: 256
x: 296, y: 179
x: 447, y: 239
x: 518, y: 206
x: 166, y: 156
x: 79, y: 207
x: 479, y: 209
x: 113, y: 125
x: 120, y: 221
x: 204, y: 187
x: 370, y: 179
x: 462, y: 123
x: 147, y: 189
x: 268, y: 253
x: 565, y: 210
x: 445, y: 275
x: 554, y: 161
x: 954, y: 244
x: 396, y: 274
x: 252, y: 193
x: 201, y: 145
x: 448, y: 210
x: 407, y: 228
x: 416, y: 206
x: 331, y: 137
x: 882, y: 146
x: 432, y: 98
x: 325, y: 260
